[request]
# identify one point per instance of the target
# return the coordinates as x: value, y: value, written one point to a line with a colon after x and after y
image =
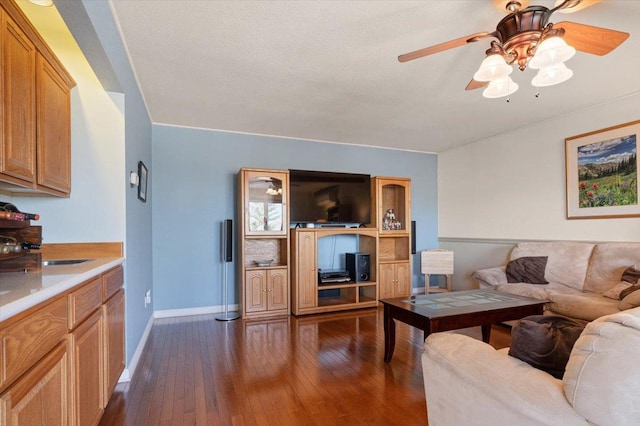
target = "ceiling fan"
x: 527, y: 38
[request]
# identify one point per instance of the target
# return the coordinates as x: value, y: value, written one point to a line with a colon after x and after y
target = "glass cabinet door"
x: 266, y: 205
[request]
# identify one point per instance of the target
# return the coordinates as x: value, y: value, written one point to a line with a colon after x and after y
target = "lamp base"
x: 228, y: 316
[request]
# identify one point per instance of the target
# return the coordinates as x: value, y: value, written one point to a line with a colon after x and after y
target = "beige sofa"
x: 578, y: 274
x: 468, y: 382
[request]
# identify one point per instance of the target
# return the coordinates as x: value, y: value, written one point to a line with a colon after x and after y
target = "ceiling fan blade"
x: 576, y: 7
x: 473, y: 85
x: 442, y: 46
x: 594, y: 40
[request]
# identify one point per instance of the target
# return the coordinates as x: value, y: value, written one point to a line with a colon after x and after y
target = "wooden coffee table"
x: 451, y: 311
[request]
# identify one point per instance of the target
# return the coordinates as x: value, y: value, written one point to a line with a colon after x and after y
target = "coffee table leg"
x: 389, y: 334
x: 486, y: 333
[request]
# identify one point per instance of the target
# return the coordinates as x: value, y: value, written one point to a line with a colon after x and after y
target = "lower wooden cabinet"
x: 394, y: 280
x: 114, y: 356
x: 60, y: 361
x: 267, y: 291
x: 86, y: 348
x: 40, y: 396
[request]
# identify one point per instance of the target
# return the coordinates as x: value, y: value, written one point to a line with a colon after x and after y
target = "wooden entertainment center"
x: 278, y: 262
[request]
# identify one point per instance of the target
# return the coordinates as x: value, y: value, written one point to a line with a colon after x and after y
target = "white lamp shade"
x: 549, y: 76
x: 492, y: 68
x: 552, y: 51
x: 45, y: 3
x: 500, y: 88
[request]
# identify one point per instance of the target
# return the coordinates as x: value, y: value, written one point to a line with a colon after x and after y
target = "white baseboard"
x: 169, y: 313
x: 127, y: 374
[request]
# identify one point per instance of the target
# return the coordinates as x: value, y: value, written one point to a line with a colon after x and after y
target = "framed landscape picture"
x: 602, y: 173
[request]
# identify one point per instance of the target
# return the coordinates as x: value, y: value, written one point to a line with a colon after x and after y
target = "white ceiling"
x: 328, y: 70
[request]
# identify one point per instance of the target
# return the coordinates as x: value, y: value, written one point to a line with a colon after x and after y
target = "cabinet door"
x: 255, y: 295
x: 53, y: 129
x: 87, y: 374
x: 113, y: 343
x: 18, y: 141
x: 40, y: 396
x: 386, y: 280
x: 265, y: 195
x: 402, y: 284
x: 307, y: 270
x: 277, y: 289
x: 393, y: 205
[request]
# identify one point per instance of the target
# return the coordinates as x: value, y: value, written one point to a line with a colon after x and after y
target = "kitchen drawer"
x: 84, y: 301
x: 112, y: 281
x: 27, y: 341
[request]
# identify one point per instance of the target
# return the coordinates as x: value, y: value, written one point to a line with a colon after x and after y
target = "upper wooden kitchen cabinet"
x: 35, y: 141
x: 18, y: 155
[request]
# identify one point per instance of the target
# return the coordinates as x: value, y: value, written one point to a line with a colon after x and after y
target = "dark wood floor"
x: 316, y: 370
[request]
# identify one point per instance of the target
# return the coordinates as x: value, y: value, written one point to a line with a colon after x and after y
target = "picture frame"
x: 602, y: 173
x: 143, y: 175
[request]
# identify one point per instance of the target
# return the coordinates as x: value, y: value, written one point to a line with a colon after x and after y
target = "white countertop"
x: 20, y: 291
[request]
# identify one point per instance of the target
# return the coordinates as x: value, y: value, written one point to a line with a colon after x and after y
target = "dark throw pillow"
x: 527, y: 270
x: 545, y: 341
x: 630, y: 275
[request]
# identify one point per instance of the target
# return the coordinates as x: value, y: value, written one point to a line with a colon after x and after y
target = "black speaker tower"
x: 226, y: 243
x: 227, y: 240
x: 413, y: 237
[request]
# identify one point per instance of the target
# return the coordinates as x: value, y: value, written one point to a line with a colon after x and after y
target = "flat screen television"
x: 329, y: 197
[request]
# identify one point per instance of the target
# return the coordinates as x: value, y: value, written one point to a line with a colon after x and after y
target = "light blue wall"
x: 194, y: 189
x: 138, y: 244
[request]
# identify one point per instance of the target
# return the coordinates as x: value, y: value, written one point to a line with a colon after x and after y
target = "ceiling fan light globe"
x: 500, y: 88
x: 551, y: 51
x: 493, y: 67
x: 553, y: 75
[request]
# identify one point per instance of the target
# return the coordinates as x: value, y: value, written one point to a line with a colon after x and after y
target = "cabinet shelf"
x: 346, y: 285
x: 260, y: 268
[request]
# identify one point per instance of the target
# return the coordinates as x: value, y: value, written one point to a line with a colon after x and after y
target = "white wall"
x: 512, y: 186
x: 496, y: 192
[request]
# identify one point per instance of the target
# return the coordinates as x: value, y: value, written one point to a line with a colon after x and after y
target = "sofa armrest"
x: 467, y: 381
x: 490, y: 277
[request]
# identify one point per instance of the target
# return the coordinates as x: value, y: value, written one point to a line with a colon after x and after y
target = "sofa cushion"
x: 567, y: 263
x: 545, y: 341
x: 528, y: 269
x: 601, y: 380
x: 586, y: 306
x: 608, y: 263
x: 536, y: 291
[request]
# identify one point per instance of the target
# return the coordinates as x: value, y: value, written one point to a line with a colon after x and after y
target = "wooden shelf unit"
x: 263, y: 234
x: 393, y: 195
x: 309, y: 297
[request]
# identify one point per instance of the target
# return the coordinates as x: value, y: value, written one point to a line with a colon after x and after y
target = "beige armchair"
x: 468, y: 382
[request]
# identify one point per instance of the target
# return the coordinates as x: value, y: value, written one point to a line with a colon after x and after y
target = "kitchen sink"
x: 64, y: 262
